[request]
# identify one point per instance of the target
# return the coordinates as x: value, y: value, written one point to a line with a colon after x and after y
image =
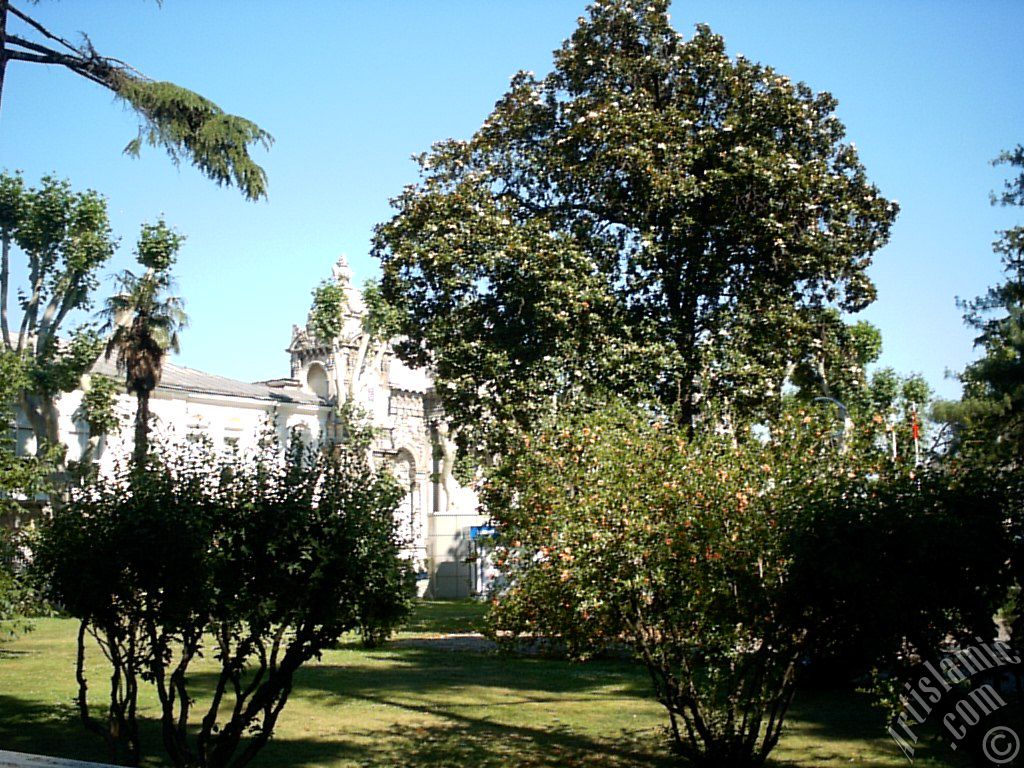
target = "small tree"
x: 17, y: 597
x: 259, y: 565
x: 144, y: 322
x: 98, y: 410
x: 726, y: 561
x: 20, y: 477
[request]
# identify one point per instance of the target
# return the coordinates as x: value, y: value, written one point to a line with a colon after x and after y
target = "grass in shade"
x: 430, y: 699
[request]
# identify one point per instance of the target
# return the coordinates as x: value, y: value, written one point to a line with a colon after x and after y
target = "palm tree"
x: 143, y: 321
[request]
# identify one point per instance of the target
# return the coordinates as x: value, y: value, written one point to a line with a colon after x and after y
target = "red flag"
x: 914, y: 426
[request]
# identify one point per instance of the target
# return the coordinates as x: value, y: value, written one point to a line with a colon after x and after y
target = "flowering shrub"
x: 706, y: 556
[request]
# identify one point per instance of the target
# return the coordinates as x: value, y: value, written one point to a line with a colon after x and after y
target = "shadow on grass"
x: 433, y: 707
x: 453, y: 708
x: 47, y: 730
x: 828, y: 725
x: 401, y: 667
x: 473, y: 743
x: 447, y: 616
x: 433, y: 720
x: 844, y: 714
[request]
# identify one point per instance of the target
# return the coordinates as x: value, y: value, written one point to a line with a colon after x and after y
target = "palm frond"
x: 143, y: 321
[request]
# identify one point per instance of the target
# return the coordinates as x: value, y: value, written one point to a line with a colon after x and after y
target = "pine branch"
x: 184, y: 123
x: 188, y: 125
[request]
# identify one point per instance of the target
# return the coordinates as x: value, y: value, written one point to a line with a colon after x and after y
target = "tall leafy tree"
x: 653, y: 216
x: 187, y: 125
x: 143, y: 320
x: 993, y: 406
x: 66, y: 239
x: 988, y: 421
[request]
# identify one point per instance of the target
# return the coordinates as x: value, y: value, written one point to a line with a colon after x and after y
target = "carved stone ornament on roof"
x: 342, y: 271
x: 300, y: 338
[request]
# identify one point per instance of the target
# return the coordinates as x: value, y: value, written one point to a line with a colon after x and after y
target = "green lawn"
x: 425, y: 700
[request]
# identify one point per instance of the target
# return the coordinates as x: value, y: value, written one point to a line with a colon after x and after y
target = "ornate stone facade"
x: 436, y: 515
x: 411, y: 438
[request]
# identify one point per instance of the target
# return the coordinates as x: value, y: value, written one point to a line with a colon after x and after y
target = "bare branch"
x: 97, y: 69
x: 33, y: 58
x: 41, y: 29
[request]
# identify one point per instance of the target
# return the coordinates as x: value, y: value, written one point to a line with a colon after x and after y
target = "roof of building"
x: 180, y: 379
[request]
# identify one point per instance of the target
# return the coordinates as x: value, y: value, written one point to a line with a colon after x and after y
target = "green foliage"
x: 904, y: 562
x: 653, y: 217
x: 158, y: 246
x: 258, y: 565
x: 15, y: 595
x: 98, y: 404
x: 837, y: 357
x: 65, y: 235
x: 327, y: 315
x: 880, y: 403
x: 188, y: 126
x: 987, y: 424
x: 192, y: 127
x: 724, y: 562
x: 143, y: 320
x: 382, y: 319
x: 12, y: 192
x: 59, y: 365
x: 66, y: 239
x: 886, y: 406
x: 465, y: 467
x: 990, y: 417
x: 20, y: 476
x: 355, y: 427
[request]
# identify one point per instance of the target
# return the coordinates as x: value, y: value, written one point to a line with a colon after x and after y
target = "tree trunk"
x: 5, y: 246
x: 3, y: 45
x: 141, y: 430
x: 41, y: 412
x: 82, y: 700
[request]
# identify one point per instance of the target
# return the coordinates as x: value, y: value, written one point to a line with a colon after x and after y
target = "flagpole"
x: 915, y: 428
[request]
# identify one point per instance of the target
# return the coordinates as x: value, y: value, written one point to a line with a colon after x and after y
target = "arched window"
x: 404, y: 468
x: 317, y: 381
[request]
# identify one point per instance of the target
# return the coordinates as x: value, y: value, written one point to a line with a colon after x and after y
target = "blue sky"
x: 930, y: 91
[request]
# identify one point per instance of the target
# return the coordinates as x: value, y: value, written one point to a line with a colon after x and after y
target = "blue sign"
x: 482, y: 532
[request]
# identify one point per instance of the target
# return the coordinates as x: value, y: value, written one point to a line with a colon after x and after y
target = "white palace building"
x: 437, y: 515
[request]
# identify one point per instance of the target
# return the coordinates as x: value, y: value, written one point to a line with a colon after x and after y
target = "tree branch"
x: 34, y: 58
x: 92, y: 68
x: 42, y: 30
x: 3, y: 43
